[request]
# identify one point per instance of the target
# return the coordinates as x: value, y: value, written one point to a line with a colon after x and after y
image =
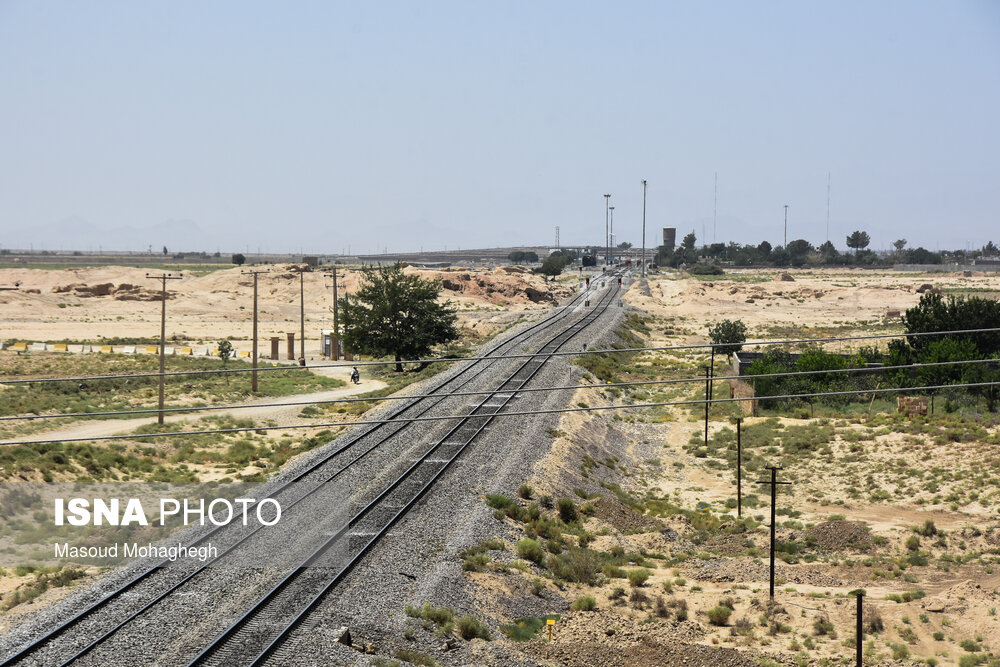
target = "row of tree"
x: 932, y: 314
x: 802, y: 253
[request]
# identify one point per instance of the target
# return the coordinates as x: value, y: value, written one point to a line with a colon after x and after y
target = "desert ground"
x: 627, y: 529
x: 905, y: 508
x: 114, y: 302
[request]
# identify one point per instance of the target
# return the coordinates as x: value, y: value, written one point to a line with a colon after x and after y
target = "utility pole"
x: 163, y: 278
x: 607, y: 231
x: 302, y: 316
x: 644, y: 228
x: 786, y: 227
x: 708, y: 382
x: 739, y: 468
x: 253, y: 374
x: 774, y: 497
x: 611, y: 244
x: 860, y: 629
x: 335, y: 343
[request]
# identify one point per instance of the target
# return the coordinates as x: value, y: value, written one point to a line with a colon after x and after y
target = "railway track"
x: 112, y: 612
x: 251, y: 640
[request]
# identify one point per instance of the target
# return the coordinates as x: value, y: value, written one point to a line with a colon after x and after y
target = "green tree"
x: 935, y: 313
x: 395, y: 314
x: 728, y: 336
x: 553, y: 265
x: 225, y: 351
x: 516, y: 257
x: 688, y: 242
x: 859, y: 241
x: 829, y: 253
x: 530, y: 257
x: 239, y: 259
x: 625, y: 245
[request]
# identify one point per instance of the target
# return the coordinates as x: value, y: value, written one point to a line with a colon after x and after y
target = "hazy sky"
x: 323, y: 125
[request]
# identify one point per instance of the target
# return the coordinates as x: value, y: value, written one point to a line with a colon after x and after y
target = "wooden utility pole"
x: 163, y: 278
x: 774, y: 497
x: 739, y: 468
x: 253, y: 374
x: 335, y: 343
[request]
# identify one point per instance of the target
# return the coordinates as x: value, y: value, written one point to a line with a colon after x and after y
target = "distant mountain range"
x: 79, y: 234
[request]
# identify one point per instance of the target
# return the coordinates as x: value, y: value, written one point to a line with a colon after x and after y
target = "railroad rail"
x: 384, y: 431
x: 302, y: 589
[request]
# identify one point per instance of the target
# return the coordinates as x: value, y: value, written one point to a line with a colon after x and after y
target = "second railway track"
x: 289, y: 601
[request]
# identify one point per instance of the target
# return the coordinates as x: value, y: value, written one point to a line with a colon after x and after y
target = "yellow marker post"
x: 550, y: 622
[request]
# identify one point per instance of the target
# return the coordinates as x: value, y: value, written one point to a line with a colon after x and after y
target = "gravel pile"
x: 841, y: 536
x: 622, y: 517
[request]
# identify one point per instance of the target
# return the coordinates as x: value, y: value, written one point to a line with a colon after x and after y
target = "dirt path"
x: 281, y: 414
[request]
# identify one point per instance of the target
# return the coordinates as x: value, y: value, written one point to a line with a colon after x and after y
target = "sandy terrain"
x: 859, y: 500
x: 108, y: 302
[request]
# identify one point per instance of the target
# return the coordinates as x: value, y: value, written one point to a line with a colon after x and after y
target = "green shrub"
x: 470, y: 628
x: 585, y: 603
x: 576, y: 565
x: 530, y: 549
x: 498, y: 501
x: 638, y: 576
x: 969, y: 645
x: 719, y: 615
x: 567, y: 510
x: 912, y: 543
x: 476, y: 562
x: 524, y: 491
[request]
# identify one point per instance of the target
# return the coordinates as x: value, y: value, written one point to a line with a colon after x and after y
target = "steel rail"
x: 513, y: 339
x: 202, y: 567
x: 377, y: 399
x: 658, y: 348
x: 294, y: 575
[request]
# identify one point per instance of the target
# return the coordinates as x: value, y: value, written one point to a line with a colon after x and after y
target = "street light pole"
x: 607, y: 232
x: 253, y: 374
x: 644, y: 228
x: 611, y: 244
x: 786, y: 227
x: 163, y: 278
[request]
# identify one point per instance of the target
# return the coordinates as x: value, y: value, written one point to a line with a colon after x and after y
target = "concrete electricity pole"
x: 253, y: 374
x: 611, y: 241
x: 163, y: 278
x: 607, y: 232
x: 335, y: 343
x: 644, y: 228
x: 302, y: 317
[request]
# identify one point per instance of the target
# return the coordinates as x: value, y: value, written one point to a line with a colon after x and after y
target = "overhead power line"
x: 662, y: 348
x: 404, y: 397
x: 633, y: 406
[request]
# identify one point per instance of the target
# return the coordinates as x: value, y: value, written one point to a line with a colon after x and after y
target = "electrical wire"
x: 633, y: 406
x: 663, y: 348
x: 378, y: 399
